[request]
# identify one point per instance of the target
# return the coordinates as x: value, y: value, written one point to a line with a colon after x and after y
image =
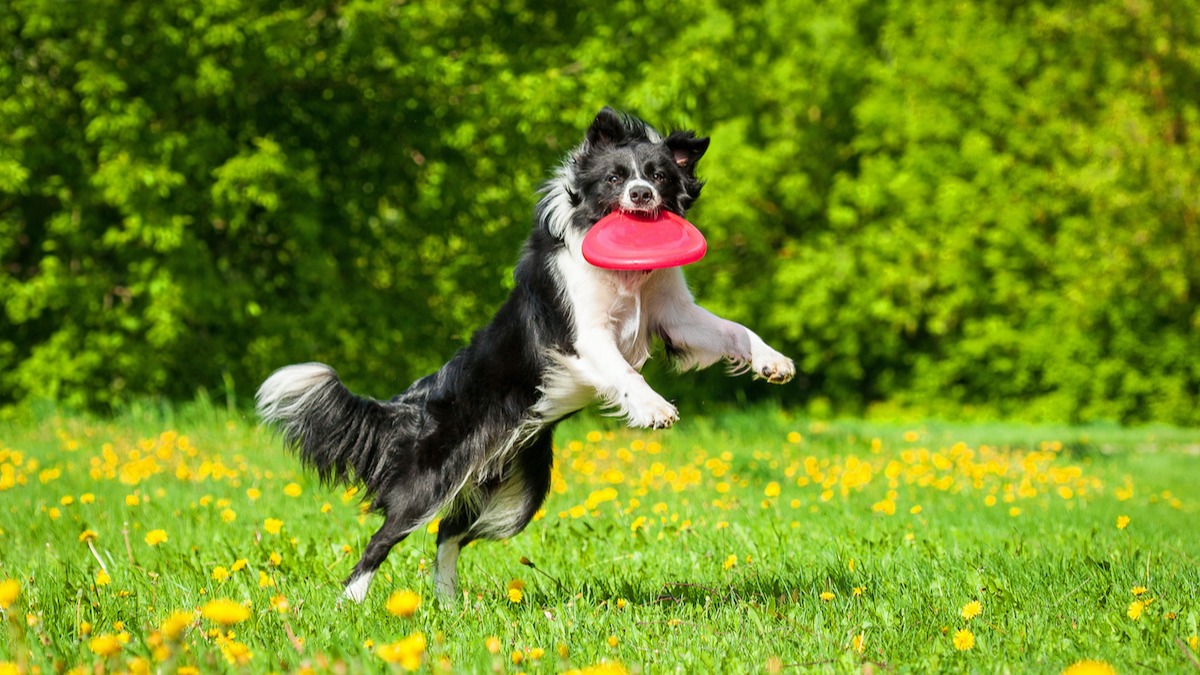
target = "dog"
x: 473, y: 441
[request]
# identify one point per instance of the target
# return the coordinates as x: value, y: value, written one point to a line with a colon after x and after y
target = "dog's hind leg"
x: 392, y: 532
x: 499, y: 508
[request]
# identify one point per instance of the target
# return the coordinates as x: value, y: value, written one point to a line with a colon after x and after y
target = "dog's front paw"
x: 650, y: 412
x: 773, y: 367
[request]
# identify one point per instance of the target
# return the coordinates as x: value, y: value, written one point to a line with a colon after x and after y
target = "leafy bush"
x: 961, y: 205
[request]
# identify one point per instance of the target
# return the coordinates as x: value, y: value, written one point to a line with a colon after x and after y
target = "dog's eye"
x: 659, y: 176
x: 613, y: 179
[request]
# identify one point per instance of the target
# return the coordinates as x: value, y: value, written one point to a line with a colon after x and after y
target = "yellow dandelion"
x: 253, y: 493
x: 515, y: 595
x: 225, y: 612
x: 274, y: 560
x: 964, y: 640
x: 493, y: 644
x: 827, y: 596
x: 228, y: 516
x: 265, y: 580
x: 272, y: 525
x: 88, y: 535
x: 132, y: 500
x: 67, y: 500
x: 292, y: 489
x: 859, y: 590
x: 238, y: 565
x: 730, y: 561
x: 280, y: 604
x: 104, y: 645
x: 971, y: 610
x: 407, y: 653
x: 517, y: 656
x: 1138, y: 590
x: 1122, y: 522
x: 220, y: 574
x: 1135, y: 609
x: 1089, y: 667
x: 859, y: 643
x: 403, y: 603
x: 326, y: 507
x: 87, y: 498
x: 1194, y: 643
x: 10, y: 590
x: 174, y: 626
x: 772, y: 489
x: 537, y: 653
x: 156, y: 537
x: 102, y: 578
x: 612, y: 641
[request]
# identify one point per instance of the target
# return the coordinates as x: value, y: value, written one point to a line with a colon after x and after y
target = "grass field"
x: 738, y: 542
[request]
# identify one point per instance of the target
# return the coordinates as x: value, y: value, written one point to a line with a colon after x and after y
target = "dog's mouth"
x: 646, y: 214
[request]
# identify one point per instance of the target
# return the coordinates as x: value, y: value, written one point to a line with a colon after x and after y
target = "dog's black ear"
x: 607, y: 129
x: 686, y: 149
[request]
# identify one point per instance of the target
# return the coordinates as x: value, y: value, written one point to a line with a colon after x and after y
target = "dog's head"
x: 624, y: 164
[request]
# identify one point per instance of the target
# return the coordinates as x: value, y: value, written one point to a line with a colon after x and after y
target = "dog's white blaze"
x: 287, y: 390
x: 356, y: 590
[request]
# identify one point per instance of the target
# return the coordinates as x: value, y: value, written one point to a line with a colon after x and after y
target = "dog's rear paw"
x: 776, y: 368
x: 651, y: 413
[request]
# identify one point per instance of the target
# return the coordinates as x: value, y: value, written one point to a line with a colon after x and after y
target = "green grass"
x: 735, y: 542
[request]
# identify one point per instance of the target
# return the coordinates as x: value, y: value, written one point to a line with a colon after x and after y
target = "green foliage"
x: 947, y: 206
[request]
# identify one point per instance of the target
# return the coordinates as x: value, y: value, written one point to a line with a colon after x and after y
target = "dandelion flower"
x: 516, y: 657
x: 964, y: 640
x: 730, y: 561
x: 827, y: 596
x: 403, y: 603
x: 1122, y: 522
x: 515, y: 595
x: 493, y: 644
x: 239, y: 565
x: 265, y: 580
x: 104, y: 645
x: 131, y: 500
x: 1135, y: 609
x: 280, y: 604
x: 292, y: 489
x: 1138, y: 590
x: 971, y: 610
x: 10, y: 590
x: 228, y: 516
x: 1089, y: 667
x: 225, y: 612
x: 859, y: 643
x: 272, y: 525
x: 175, y: 624
x: 87, y: 535
x: 156, y: 537
x: 612, y: 641
x: 274, y: 559
x: 220, y: 574
x: 407, y: 652
x: 772, y: 489
x: 102, y: 578
x: 537, y: 653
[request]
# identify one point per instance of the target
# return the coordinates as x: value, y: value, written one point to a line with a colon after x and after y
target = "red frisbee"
x: 631, y: 241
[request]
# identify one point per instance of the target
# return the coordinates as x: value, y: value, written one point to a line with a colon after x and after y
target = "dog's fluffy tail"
x: 339, y: 434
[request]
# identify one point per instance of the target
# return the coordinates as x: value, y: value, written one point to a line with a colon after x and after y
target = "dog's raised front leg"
x: 601, y: 365
x: 698, y: 338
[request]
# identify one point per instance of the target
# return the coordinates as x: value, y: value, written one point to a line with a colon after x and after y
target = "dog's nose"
x: 641, y: 196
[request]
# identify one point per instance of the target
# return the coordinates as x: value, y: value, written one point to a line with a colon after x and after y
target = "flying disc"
x: 631, y: 241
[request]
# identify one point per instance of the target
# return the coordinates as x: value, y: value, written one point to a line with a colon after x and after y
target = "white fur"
x: 356, y: 590
x: 445, y: 569
x: 287, y: 390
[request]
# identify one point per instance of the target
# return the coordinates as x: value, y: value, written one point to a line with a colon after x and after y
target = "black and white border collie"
x: 473, y: 440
